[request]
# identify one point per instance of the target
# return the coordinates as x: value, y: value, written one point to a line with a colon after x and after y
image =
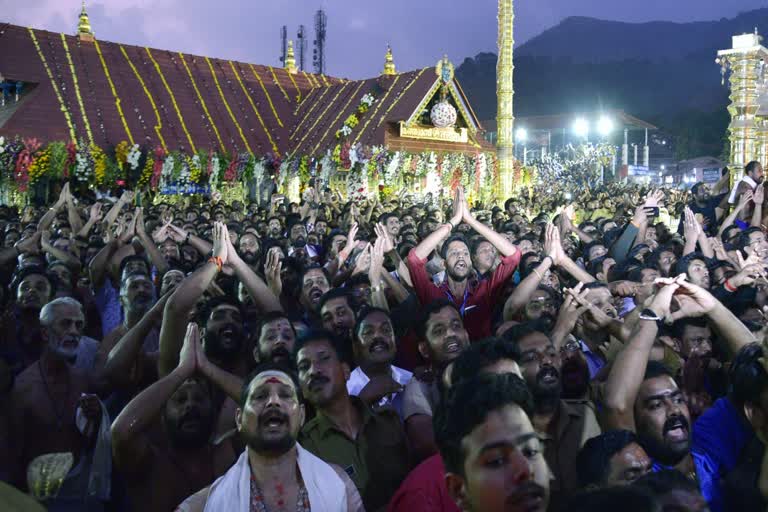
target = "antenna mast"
x: 283, y: 44
x: 318, y: 57
x: 302, y: 40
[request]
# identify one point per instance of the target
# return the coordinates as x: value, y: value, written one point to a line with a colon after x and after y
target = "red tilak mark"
x: 280, y: 489
x: 273, y: 380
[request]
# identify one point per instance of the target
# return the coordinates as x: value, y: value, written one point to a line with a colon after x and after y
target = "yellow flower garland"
x: 338, y: 115
x: 309, y: 113
x: 114, y: 92
x: 146, y: 173
x: 159, y: 125
x: 321, y: 115
x: 39, y: 165
x: 255, y: 110
x: 379, y: 103
x: 312, y: 80
x: 298, y: 91
x: 266, y: 93
x: 121, y: 153
x: 224, y: 100
x: 277, y: 82
x: 77, y: 89
x: 173, y: 100
x: 99, y: 163
x: 63, y: 105
x: 400, y: 96
x: 325, y: 82
x: 202, y: 102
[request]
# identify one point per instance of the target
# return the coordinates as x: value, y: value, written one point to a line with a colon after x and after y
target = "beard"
x: 189, y: 438
x: 224, y: 348
x: 279, y: 355
x: 460, y: 275
x: 668, y: 453
x: 548, y: 385
x: 575, y: 376
x: 250, y: 258
x: 259, y: 443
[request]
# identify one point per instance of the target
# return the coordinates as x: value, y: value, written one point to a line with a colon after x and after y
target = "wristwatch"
x: 649, y: 314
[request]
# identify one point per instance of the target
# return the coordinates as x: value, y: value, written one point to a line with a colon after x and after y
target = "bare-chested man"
x: 275, y: 472
x: 46, y: 396
x: 160, y: 473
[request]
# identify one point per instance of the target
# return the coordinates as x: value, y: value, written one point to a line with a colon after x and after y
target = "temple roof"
x: 191, y: 102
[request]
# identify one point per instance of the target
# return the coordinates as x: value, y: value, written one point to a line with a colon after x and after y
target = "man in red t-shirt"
x: 475, y: 299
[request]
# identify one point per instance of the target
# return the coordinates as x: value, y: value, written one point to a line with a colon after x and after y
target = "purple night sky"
x: 420, y: 31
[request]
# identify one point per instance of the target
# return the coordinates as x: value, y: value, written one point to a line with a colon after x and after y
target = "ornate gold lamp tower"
x: 84, y: 31
x: 746, y: 62
x: 505, y: 91
x: 290, y: 59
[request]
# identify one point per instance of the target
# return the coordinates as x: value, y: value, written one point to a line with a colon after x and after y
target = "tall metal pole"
x: 505, y: 91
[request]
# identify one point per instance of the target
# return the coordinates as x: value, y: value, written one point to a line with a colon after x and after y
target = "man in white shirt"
x: 376, y: 380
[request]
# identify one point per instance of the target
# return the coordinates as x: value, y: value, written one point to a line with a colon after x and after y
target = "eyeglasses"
x: 570, y: 347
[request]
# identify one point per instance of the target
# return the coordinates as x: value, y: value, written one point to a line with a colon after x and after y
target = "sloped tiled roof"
x: 187, y: 101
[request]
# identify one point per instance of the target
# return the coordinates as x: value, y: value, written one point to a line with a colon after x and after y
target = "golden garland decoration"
x: 77, y: 89
x: 202, y: 102
x: 255, y: 110
x: 266, y: 93
x: 378, y: 106
x: 298, y: 91
x: 224, y: 100
x: 173, y: 100
x: 302, y: 102
x: 320, y: 116
x: 338, y: 115
x: 309, y: 112
x: 159, y: 124
x: 277, y: 82
x: 312, y: 80
x: 400, y: 96
x: 64, y: 109
x: 325, y: 82
x: 114, y: 92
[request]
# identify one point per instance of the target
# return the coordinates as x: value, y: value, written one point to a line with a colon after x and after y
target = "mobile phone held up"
x: 652, y: 211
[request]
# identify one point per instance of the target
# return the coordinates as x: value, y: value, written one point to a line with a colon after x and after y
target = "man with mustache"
x: 376, y: 380
x: 752, y: 178
x: 276, y: 471
x: 249, y: 249
x: 695, y: 267
x: 46, y: 397
x: 314, y: 284
x: 475, y: 299
x: 563, y: 427
x: 642, y: 395
x: 613, y: 458
x: 276, y: 339
x: 160, y: 471
x: 442, y: 339
x: 370, y: 446
x: 492, y: 454
x: 337, y: 315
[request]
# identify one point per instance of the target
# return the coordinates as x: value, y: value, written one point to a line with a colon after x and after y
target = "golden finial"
x: 290, y: 59
x: 389, y: 63
x: 84, y: 31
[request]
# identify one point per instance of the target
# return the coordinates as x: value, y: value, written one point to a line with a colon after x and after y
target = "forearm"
x: 262, y: 295
x: 735, y: 334
x: 425, y: 248
x: 98, y: 266
x: 641, y: 231
x: 622, y: 246
x: 575, y: 271
x: 501, y: 244
x: 63, y: 256
x: 75, y: 222
x: 705, y: 245
x: 231, y: 384
x: 401, y: 268
x: 47, y: 219
x: 154, y: 254
x: 191, y: 289
x: 123, y: 355
x: 585, y: 238
x: 398, y: 290
x: 627, y: 373
x: 204, y: 247
x: 141, y: 412
x: 757, y: 215
x: 690, y: 245
x: 729, y: 220
x: 114, y: 212
x: 525, y: 289
x: 87, y: 227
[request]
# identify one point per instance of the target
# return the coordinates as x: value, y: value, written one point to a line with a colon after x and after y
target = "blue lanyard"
x: 463, y: 306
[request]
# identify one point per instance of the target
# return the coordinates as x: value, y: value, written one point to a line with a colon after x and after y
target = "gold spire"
x: 290, y: 59
x: 389, y: 63
x: 84, y: 31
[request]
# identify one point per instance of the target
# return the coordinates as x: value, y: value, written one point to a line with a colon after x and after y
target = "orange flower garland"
x: 159, y: 124
x: 255, y: 110
x: 114, y: 92
x: 173, y: 100
x: 224, y: 100
x: 63, y: 106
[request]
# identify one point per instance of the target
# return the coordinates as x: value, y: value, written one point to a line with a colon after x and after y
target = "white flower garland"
x: 367, y: 100
x: 327, y: 167
x: 433, y: 180
x: 357, y: 183
x: 166, y: 172
x: 134, y: 154
x: 81, y: 166
x: 2, y: 145
x: 389, y: 172
x: 213, y: 180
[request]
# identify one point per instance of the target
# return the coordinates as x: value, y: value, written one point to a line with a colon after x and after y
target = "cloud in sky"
x: 420, y: 31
